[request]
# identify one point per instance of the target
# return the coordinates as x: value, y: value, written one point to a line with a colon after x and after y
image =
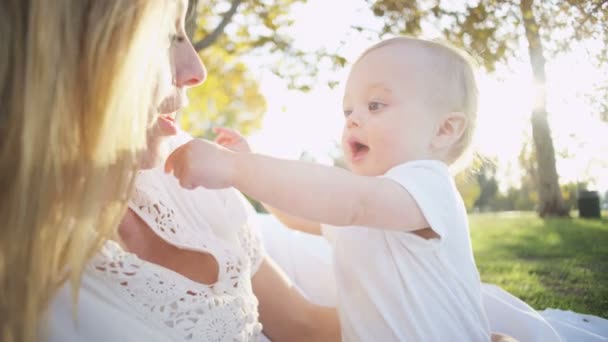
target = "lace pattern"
x: 224, y: 311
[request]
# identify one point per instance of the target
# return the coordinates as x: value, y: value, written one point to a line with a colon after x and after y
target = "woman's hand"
x: 202, y: 163
x: 231, y: 139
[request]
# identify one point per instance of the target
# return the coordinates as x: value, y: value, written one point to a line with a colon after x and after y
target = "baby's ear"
x: 449, y: 131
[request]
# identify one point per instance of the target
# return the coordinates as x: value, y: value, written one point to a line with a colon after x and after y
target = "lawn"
x: 554, y: 263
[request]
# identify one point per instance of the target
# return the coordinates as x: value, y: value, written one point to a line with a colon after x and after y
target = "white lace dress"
x: 171, y: 305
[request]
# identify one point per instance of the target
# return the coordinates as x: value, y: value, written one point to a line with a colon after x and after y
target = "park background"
x: 277, y: 70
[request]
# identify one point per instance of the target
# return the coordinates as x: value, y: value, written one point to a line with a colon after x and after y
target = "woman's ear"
x: 449, y: 131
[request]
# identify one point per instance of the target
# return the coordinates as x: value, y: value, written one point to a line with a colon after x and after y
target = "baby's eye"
x: 374, y: 106
x: 347, y: 112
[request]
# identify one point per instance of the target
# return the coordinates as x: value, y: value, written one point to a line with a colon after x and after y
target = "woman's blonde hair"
x: 77, y: 80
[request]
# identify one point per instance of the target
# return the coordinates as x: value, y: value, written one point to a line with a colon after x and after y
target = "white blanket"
x: 307, y: 261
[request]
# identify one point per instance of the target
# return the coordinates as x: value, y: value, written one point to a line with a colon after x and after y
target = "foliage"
x: 553, y: 263
x: 224, y: 32
x: 570, y: 193
x: 469, y: 189
x: 229, y: 97
x: 492, y: 29
x: 486, y: 178
x: 249, y: 25
x: 515, y: 200
x: 495, y: 31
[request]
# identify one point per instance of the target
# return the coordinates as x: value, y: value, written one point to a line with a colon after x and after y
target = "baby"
x: 396, y: 222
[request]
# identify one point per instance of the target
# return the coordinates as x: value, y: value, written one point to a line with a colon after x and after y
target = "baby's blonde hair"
x: 77, y: 79
x: 451, y: 80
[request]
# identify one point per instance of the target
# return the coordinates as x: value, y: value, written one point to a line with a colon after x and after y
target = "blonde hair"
x: 452, y: 87
x: 77, y: 80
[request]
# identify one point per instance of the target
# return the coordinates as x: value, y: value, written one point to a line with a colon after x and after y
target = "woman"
x: 186, y: 264
x: 77, y: 87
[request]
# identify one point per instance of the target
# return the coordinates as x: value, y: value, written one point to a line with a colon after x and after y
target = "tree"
x: 469, y: 189
x: 527, y: 196
x: 229, y: 97
x: 488, y: 185
x: 494, y: 30
x: 223, y: 31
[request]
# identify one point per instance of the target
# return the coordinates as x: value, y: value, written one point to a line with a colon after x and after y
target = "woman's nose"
x: 189, y: 70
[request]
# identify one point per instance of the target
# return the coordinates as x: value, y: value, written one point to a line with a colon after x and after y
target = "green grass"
x: 554, y: 263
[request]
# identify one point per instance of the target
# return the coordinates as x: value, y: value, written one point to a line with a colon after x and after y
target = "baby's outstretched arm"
x: 233, y: 140
x: 294, y: 222
x: 315, y: 192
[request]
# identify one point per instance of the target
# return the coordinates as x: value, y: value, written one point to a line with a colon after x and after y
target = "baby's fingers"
x: 227, y: 132
x: 224, y: 140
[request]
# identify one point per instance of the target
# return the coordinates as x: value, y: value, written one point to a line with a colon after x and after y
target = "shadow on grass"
x: 560, y: 263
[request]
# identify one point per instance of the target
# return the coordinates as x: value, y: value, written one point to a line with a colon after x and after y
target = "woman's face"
x: 185, y: 70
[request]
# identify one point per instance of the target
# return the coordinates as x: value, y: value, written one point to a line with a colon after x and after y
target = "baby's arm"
x: 234, y: 141
x: 315, y: 192
x: 294, y: 222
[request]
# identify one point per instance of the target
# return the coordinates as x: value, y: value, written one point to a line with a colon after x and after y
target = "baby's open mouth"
x: 358, y: 150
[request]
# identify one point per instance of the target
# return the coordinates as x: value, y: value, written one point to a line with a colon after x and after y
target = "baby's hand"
x: 201, y: 163
x: 231, y: 139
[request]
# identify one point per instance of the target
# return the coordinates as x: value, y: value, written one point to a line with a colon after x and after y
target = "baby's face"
x: 386, y: 121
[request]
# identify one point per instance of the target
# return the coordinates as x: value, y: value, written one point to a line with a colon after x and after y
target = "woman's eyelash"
x: 177, y: 38
x: 347, y: 112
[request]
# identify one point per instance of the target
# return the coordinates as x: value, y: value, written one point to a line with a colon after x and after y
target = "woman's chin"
x: 150, y: 159
x: 157, y: 149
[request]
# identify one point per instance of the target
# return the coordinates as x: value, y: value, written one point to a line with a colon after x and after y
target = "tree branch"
x: 587, y: 17
x: 217, y: 32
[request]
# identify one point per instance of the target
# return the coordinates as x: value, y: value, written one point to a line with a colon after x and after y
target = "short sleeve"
x: 432, y: 187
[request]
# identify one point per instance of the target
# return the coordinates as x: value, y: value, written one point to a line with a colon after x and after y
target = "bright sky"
x: 312, y: 122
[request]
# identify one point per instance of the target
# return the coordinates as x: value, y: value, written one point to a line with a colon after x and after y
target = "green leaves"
x: 229, y: 97
x: 223, y: 31
x: 491, y: 29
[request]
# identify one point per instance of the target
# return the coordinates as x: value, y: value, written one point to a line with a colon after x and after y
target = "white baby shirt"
x: 396, y: 286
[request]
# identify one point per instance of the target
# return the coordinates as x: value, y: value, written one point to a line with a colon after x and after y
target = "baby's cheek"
x: 390, y: 143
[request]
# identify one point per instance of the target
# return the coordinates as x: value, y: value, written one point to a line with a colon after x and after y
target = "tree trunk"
x: 550, y: 196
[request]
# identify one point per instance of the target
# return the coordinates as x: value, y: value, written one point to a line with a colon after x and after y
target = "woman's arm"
x: 285, y: 314
x: 315, y: 192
